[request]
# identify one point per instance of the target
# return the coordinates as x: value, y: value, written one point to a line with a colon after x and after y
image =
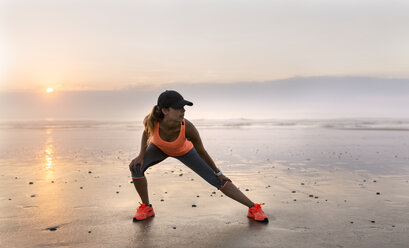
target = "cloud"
x: 312, y: 97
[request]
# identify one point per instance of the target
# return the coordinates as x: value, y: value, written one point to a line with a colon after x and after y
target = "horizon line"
x: 159, y: 85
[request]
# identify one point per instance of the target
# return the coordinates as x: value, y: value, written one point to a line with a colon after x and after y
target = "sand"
x: 321, y: 188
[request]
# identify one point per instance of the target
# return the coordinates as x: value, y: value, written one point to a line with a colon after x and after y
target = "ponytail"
x: 151, y: 119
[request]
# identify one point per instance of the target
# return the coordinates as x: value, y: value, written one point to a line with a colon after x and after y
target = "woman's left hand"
x: 223, y: 178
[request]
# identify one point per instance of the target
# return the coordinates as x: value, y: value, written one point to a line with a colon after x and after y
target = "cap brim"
x: 181, y: 104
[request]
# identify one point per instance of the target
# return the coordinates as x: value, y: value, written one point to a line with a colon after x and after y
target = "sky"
x: 95, y: 54
x: 111, y: 45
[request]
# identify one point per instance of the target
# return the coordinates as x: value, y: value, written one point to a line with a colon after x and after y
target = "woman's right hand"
x: 135, y: 162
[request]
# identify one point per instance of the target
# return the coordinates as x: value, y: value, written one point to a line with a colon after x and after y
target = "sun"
x: 49, y: 90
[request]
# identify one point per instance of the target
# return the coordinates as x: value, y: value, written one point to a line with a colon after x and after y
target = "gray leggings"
x: 192, y: 159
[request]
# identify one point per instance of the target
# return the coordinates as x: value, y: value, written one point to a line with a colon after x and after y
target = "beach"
x: 324, y: 184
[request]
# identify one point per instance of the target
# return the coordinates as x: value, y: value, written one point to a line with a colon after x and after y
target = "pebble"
x: 372, y: 221
x: 293, y: 191
x: 16, y: 178
x: 181, y: 174
x: 33, y: 195
x: 247, y: 190
x: 378, y: 193
x: 316, y: 197
x: 194, y: 205
x: 295, y: 200
x: 54, y: 228
x: 89, y: 172
x: 197, y: 196
x: 302, y: 183
x: 213, y: 193
x: 311, y: 196
x: 166, y: 192
x: 89, y: 231
x: 161, y: 200
x: 174, y: 227
x: 9, y: 199
x: 374, y: 181
x: 30, y: 183
x: 81, y: 187
x: 117, y: 192
x: 192, y: 179
x: 52, y: 181
x: 351, y: 222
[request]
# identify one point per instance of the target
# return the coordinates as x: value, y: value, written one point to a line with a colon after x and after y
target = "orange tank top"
x: 178, y: 147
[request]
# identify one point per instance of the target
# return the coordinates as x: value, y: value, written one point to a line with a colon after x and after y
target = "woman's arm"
x: 193, y: 135
x: 144, y: 143
x: 139, y: 158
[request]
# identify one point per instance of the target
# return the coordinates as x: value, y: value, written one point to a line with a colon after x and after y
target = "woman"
x: 172, y: 135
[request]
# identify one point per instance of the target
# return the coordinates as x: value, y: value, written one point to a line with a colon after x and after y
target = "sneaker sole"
x: 265, y: 220
x: 136, y: 220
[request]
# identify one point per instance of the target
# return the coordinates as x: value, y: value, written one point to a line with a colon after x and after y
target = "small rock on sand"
x: 54, y: 228
x: 30, y: 183
x: 194, y: 205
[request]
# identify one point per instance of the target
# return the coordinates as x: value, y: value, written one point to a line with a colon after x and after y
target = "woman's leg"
x: 193, y: 160
x: 141, y: 186
x: 233, y: 192
x: 153, y: 155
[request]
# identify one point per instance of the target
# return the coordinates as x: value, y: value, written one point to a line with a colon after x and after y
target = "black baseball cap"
x: 173, y: 99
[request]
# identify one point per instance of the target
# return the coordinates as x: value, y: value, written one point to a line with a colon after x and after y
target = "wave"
x: 340, y: 124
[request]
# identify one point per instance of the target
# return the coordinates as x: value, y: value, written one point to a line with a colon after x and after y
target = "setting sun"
x: 49, y: 90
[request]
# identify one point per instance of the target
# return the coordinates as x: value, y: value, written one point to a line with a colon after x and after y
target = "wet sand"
x: 71, y: 188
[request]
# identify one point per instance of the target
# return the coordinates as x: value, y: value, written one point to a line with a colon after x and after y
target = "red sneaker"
x: 257, y: 213
x: 143, y: 212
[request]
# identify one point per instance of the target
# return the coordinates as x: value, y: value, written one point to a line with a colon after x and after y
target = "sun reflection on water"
x: 49, y: 165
